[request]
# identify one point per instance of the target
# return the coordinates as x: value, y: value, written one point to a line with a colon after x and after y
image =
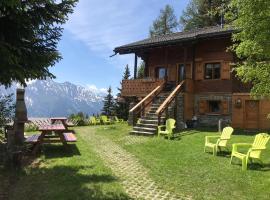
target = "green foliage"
x: 29, y: 33
x: 203, y: 13
x: 251, y: 43
x: 140, y: 73
x: 165, y: 23
x: 7, y: 109
x: 126, y: 73
x: 109, y: 104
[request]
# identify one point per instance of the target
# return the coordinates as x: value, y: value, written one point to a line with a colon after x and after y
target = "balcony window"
x: 161, y: 72
x: 212, y: 71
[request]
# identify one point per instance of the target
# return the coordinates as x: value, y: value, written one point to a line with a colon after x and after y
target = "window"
x: 212, y: 71
x: 161, y: 72
x: 181, y: 72
x: 214, y: 106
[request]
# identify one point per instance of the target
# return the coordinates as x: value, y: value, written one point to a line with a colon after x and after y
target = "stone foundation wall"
x: 180, y: 112
x: 208, y: 119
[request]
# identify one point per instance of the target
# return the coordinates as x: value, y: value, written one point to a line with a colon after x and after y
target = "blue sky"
x: 98, y: 26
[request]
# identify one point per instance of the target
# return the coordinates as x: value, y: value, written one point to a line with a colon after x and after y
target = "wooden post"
x: 135, y: 66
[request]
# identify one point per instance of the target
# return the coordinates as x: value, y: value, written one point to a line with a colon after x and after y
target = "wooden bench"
x: 69, y: 137
x: 32, y: 138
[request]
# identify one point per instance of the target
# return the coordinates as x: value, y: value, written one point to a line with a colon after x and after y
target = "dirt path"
x: 133, y: 175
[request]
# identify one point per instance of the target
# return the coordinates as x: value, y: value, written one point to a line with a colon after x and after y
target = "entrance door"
x: 181, y: 72
x: 251, y: 114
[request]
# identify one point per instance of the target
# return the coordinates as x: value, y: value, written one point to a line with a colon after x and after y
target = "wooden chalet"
x: 188, y: 76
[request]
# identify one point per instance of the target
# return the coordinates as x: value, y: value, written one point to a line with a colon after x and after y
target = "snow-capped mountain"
x: 48, y: 98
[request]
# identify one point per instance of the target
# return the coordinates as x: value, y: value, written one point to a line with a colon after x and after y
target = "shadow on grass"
x: 59, y: 151
x: 66, y: 182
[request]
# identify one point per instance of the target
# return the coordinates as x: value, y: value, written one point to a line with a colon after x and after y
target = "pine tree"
x: 109, y: 106
x: 165, y: 23
x: 141, y: 69
x: 122, y: 107
x: 29, y: 33
x: 203, y: 13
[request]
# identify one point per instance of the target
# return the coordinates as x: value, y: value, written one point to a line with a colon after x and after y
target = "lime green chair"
x: 117, y: 120
x: 254, y: 152
x: 220, y: 140
x: 105, y: 119
x: 169, y: 127
x: 94, y: 121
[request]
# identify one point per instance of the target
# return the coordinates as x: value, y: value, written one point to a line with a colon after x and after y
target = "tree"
x: 251, y: 43
x: 109, y: 106
x: 29, y: 33
x: 203, y: 13
x: 122, y: 107
x: 165, y: 23
x: 7, y: 109
x: 140, y: 73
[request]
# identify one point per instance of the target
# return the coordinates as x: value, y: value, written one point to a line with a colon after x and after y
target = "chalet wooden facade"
x: 210, y: 90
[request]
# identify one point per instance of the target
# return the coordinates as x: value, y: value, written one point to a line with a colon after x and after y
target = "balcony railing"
x: 139, y: 87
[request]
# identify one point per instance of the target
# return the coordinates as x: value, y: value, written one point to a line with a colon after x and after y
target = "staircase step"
x: 142, y: 133
x: 143, y: 129
x: 147, y: 125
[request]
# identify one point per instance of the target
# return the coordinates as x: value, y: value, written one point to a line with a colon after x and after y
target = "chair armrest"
x: 207, y: 138
x: 160, y: 127
x: 236, y: 145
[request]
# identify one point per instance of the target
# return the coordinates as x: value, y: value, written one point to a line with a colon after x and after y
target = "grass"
x: 179, y: 166
x: 74, y: 174
x: 182, y: 167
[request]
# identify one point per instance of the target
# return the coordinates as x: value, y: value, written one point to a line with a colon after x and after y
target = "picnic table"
x: 54, y: 133
x: 63, y: 120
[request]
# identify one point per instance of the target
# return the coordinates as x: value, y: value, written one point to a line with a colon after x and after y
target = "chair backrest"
x: 103, y: 118
x: 170, y: 125
x: 225, y: 136
x: 92, y: 119
x: 260, y: 142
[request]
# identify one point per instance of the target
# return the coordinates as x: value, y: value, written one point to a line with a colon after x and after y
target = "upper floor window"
x: 212, y: 71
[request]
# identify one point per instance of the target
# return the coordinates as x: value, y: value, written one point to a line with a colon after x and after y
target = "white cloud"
x: 95, y: 88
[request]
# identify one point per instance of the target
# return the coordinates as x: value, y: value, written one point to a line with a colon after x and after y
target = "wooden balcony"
x: 139, y: 87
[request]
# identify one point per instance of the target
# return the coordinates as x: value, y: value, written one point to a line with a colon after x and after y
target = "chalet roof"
x: 170, y: 39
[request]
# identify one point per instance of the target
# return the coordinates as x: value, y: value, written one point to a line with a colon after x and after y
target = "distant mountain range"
x: 48, y: 98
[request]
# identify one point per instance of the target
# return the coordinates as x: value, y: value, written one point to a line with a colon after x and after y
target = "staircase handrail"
x: 169, y: 99
x: 150, y: 97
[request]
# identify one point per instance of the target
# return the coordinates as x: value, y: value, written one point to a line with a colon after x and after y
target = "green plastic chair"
x: 254, y: 152
x: 220, y: 140
x: 169, y: 127
x: 105, y: 119
x: 117, y: 120
x: 94, y: 121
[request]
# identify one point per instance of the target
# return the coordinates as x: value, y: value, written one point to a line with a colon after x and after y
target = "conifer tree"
x: 122, y: 107
x: 141, y: 70
x: 203, y: 13
x: 29, y: 33
x: 165, y: 23
x: 109, y: 106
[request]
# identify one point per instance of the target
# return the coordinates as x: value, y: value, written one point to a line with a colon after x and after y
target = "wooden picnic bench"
x: 55, y: 133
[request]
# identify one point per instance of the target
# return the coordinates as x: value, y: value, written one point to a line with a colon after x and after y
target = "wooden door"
x: 251, y: 114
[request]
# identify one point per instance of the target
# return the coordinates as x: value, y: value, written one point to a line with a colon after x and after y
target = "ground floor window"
x: 161, y: 72
x: 214, y: 106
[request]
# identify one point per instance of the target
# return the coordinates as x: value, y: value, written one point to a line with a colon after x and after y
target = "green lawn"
x: 74, y: 174
x: 182, y: 167
x: 179, y: 166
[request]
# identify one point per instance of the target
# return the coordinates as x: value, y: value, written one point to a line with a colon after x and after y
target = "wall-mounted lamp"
x: 238, y: 103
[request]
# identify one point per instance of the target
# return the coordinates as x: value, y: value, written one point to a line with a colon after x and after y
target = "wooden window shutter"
x: 199, y: 71
x: 202, y: 106
x: 225, y: 71
x: 225, y: 107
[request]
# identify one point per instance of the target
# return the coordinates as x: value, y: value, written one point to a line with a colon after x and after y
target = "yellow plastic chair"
x: 105, y: 119
x: 220, y: 140
x: 254, y: 152
x: 169, y: 127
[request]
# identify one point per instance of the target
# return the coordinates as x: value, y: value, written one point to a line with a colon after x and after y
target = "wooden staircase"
x: 161, y: 102
x: 148, y: 123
